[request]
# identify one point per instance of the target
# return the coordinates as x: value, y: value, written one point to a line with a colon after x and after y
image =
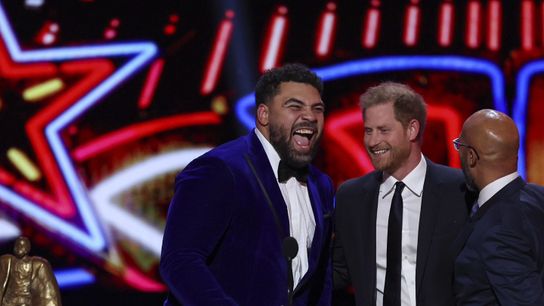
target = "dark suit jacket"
x: 501, y: 258
x: 221, y: 244
x: 443, y: 212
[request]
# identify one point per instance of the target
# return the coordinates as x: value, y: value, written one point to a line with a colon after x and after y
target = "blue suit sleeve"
x: 511, y: 267
x: 198, y: 216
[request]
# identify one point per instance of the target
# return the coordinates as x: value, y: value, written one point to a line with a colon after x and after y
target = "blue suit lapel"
x: 266, y: 174
x: 430, y: 206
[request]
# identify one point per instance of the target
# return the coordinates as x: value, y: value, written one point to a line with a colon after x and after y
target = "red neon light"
x: 473, y: 24
x: 94, y: 72
x: 140, y: 130
x: 215, y: 63
x: 275, y: 39
x: 9, y: 70
x: 445, y: 32
x: 371, y: 28
x: 326, y: 31
x: 411, y: 25
x: 527, y: 24
x: 494, y: 16
x: 150, y: 84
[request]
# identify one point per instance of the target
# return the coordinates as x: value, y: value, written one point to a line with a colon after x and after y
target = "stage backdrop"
x: 103, y: 102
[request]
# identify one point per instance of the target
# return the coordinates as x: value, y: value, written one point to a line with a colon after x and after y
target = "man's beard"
x: 281, y: 142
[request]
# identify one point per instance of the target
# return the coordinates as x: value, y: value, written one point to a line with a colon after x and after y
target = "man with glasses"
x: 395, y: 226
x: 500, y: 252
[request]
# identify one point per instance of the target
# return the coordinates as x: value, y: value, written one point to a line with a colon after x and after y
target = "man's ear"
x: 262, y: 114
x: 413, y: 129
x: 471, y: 158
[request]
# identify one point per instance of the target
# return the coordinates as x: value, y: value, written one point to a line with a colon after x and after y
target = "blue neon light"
x: 138, y: 55
x: 73, y: 278
x: 396, y: 63
x: 519, y: 113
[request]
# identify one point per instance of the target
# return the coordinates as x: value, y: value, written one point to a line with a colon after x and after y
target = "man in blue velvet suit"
x: 500, y: 253
x: 394, y: 226
x: 234, y: 206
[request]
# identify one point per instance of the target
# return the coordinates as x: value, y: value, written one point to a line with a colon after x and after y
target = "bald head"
x: 495, y: 138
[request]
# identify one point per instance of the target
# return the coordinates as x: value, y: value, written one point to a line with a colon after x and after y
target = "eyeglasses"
x: 458, y: 144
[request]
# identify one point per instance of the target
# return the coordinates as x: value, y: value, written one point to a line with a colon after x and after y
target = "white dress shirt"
x: 299, y: 210
x: 411, y: 198
x: 489, y: 191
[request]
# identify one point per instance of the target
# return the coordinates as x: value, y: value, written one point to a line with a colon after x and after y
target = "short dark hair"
x: 267, y: 86
x: 407, y: 103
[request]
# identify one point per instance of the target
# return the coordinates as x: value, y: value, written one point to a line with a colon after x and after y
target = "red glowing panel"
x: 326, y: 31
x: 411, y: 25
x: 473, y: 24
x: 494, y: 21
x: 445, y: 32
x: 275, y: 39
x: 527, y: 24
x: 371, y: 28
x: 215, y: 63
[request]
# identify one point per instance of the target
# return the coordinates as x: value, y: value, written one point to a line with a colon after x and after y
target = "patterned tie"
x: 474, y: 209
x: 391, y: 295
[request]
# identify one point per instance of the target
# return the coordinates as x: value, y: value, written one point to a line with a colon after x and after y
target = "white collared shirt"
x: 489, y: 191
x: 299, y: 210
x: 411, y: 198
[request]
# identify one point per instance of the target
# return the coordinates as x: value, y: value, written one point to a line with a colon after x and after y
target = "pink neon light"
x: 141, y: 282
x: 527, y: 24
x: 494, y: 14
x: 372, y: 25
x: 150, y: 84
x: 411, y: 25
x: 94, y: 72
x: 138, y: 131
x: 446, y: 24
x: 275, y: 40
x: 217, y: 57
x: 326, y: 33
x: 473, y: 24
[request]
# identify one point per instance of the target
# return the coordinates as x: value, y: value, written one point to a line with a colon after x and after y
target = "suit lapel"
x: 462, y: 238
x: 368, y: 230
x: 266, y: 174
x: 427, y: 220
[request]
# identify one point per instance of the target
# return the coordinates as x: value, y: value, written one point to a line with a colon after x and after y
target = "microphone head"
x: 290, y: 248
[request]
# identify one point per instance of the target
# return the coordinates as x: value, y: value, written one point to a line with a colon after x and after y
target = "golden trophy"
x: 27, y: 280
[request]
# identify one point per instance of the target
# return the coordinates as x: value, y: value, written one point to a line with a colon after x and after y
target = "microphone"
x: 290, y: 250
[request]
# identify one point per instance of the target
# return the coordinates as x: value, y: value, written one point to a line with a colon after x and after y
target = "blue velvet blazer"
x: 221, y: 243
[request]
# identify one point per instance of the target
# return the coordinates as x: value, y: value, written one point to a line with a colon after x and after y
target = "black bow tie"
x: 285, y: 172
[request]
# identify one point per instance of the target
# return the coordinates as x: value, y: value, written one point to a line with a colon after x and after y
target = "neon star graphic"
x: 61, y: 203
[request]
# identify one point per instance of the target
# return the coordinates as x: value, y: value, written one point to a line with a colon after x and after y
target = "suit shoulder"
x: 359, y: 183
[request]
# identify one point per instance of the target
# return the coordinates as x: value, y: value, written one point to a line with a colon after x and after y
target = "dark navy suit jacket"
x: 443, y: 213
x: 500, y: 257
x: 221, y: 243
